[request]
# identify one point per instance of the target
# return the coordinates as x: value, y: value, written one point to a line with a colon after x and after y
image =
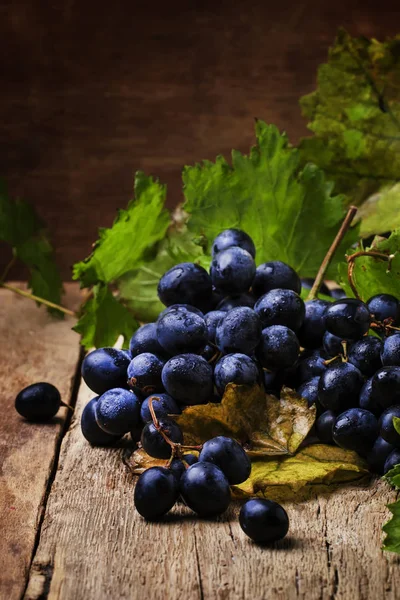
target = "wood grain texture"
x: 93, y: 91
x: 34, y: 347
x: 94, y: 545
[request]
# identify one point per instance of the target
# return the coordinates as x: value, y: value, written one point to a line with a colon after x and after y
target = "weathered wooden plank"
x: 94, y: 545
x: 34, y: 347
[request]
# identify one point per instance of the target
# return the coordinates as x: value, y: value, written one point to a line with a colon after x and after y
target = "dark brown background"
x: 92, y: 91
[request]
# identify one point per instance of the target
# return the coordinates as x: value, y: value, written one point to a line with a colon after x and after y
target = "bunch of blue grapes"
x: 245, y: 324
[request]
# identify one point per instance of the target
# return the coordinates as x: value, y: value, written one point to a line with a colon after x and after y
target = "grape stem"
x: 351, y: 262
x: 25, y: 294
x: 330, y: 254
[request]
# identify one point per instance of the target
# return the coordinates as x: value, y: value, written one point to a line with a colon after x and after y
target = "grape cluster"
x: 248, y: 325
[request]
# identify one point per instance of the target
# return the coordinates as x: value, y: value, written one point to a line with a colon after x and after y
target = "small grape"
x: 212, y: 319
x: 233, y: 237
x: 281, y: 307
x: 312, y: 331
x: 188, y: 378
x: 229, y: 302
x: 392, y: 460
x: 190, y: 459
x: 324, y: 427
x: 387, y: 429
x: 239, y: 331
x: 386, y: 386
x: 156, y: 492
x: 235, y: 368
x: 384, y: 306
x: 310, y: 367
x: 163, y: 405
x: 332, y: 344
x: 144, y: 373
x: 232, y: 270
x: 205, y: 489
x: 181, y: 331
x: 145, y: 340
x: 154, y: 443
x: 390, y: 354
x: 264, y: 521
x: 105, y: 369
x: 348, y: 318
x: 339, y: 387
x: 118, y: 411
x: 38, y: 402
x: 229, y: 456
x: 185, y: 283
x: 309, y: 391
x: 367, y: 399
x: 275, y: 275
x: 365, y: 354
x: 279, y: 347
x: 356, y: 429
x: 378, y: 454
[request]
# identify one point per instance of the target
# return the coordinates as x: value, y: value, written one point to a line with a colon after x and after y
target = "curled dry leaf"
x: 266, y: 425
x: 314, y: 465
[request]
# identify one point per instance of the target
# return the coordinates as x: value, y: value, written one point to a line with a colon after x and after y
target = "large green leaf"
x: 355, y: 117
x: 23, y: 230
x: 392, y: 529
x: 290, y: 214
x: 135, y: 230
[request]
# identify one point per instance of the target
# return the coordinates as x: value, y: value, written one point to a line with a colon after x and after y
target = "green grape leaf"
x: 313, y: 465
x: 381, y: 212
x: 371, y: 275
x: 393, y: 476
x: 264, y: 424
x: 396, y: 423
x: 355, y: 117
x: 290, y: 214
x: 122, y: 248
x: 22, y: 229
x: 392, y: 529
x: 138, y: 289
x: 103, y: 319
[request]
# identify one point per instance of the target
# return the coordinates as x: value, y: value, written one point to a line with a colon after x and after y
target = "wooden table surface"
x: 69, y: 529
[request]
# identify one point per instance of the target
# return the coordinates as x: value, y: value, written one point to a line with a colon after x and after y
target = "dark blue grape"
x: 229, y: 456
x: 390, y: 354
x: 232, y: 270
x: 144, y: 373
x: 332, y: 344
x: 348, y: 318
x: 308, y: 282
x: 378, y: 454
x: 154, y: 443
x: 279, y: 347
x: 229, y: 302
x: 312, y: 331
x: 186, y: 283
x: 180, y: 308
x: 264, y: 521
x: 105, y: 369
x: 310, y: 367
x: 212, y: 319
x: 309, y: 391
x: 233, y: 237
x: 239, y: 331
x: 384, y: 306
x: 163, y: 406
x: 386, y: 426
x: 118, y: 411
x: 156, y: 492
x: 188, y: 378
x: 386, y: 386
x: 145, y: 340
x: 90, y: 429
x: 324, y: 426
x: 205, y: 489
x: 235, y: 368
x: 38, y: 402
x: 275, y: 275
x: 356, y: 429
x: 365, y: 354
x: 182, y: 331
x: 190, y: 459
x: 281, y: 307
x: 339, y: 387
x: 177, y: 468
x: 392, y: 460
x: 367, y: 399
